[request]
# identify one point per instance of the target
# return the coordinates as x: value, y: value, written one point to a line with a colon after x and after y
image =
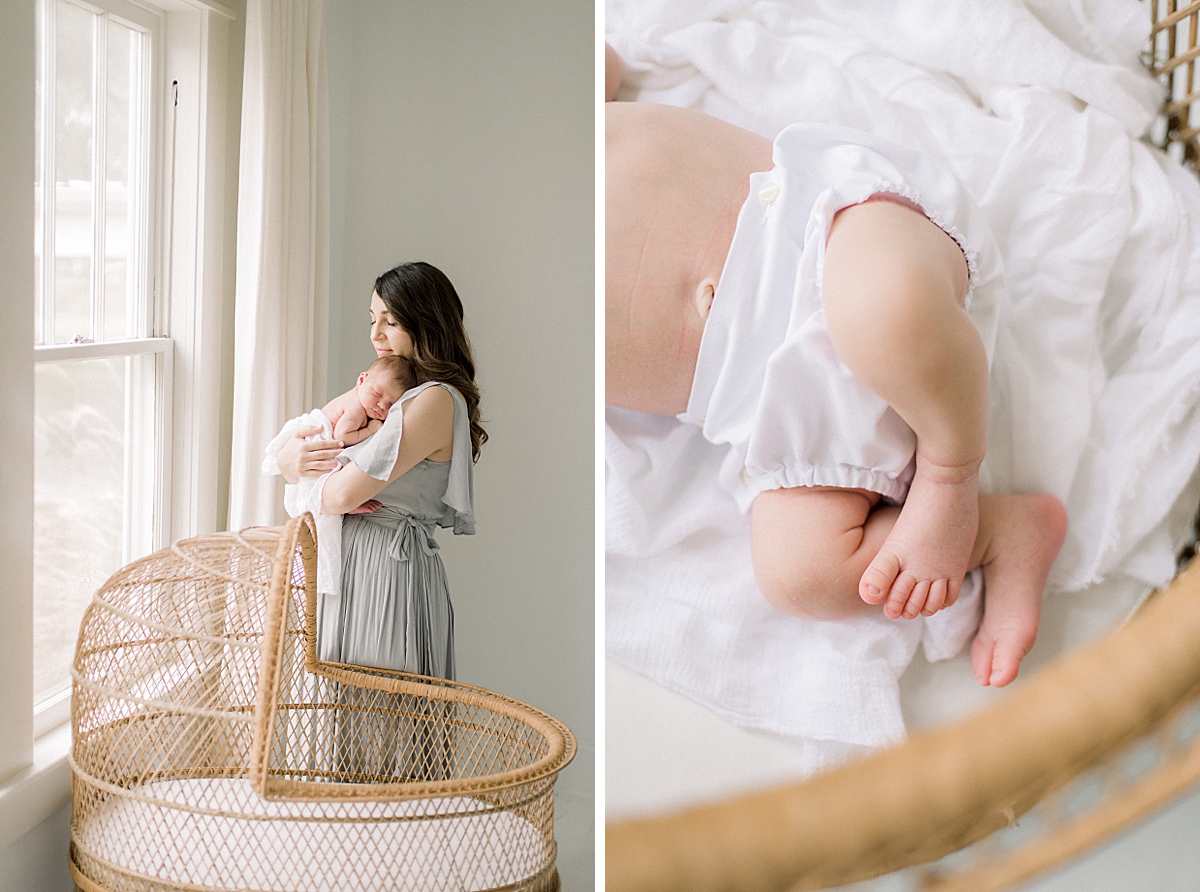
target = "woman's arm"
x: 304, y: 458
x: 428, y: 433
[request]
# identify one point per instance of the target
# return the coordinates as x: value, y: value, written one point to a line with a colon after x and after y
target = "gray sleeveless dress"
x: 394, y: 610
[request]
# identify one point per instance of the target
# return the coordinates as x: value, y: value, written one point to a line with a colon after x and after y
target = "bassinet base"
x: 229, y: 838
x: 549, y: 882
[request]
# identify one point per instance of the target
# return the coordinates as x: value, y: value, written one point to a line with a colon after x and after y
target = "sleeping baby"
x: 350, y: 418
x: 360, y: 411
x: 824, y: 306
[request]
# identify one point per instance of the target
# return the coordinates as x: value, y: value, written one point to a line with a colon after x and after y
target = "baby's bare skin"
x: 675, y: 181
x: 351, y: 423
x: 893, y: 290
x: 359, y: 412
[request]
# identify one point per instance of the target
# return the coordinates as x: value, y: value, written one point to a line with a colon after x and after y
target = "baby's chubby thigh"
x: 810, y: 545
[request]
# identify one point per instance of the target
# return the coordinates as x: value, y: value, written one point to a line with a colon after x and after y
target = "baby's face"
x: 377, y: 393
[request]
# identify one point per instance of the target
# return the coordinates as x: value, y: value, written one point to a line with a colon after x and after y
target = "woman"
x: 394, y: 611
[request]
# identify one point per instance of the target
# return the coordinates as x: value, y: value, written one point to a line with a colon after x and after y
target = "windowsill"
x: 52, y: 712
x: 38, y: 791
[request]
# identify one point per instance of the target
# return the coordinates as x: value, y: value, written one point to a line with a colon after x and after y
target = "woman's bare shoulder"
x: 435, y: 398
x: 428, y: 427
x: 432, y: 407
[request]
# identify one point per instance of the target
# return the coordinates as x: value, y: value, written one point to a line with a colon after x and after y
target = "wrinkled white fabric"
x: 1095, y: 387
x: 305, y: 495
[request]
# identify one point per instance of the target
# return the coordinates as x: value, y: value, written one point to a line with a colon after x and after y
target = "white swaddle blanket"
x: 1038, y: 108
x: 305, y: 495
x: 379, y: 452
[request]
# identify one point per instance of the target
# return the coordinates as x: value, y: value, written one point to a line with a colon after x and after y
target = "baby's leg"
x: 894, y: 285
x: 810, y: 545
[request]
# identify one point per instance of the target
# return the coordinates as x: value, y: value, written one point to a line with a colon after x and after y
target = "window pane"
x: 39, y: 134
x: 92, y: 449
x: 125, y: 95
x: 73, y: 139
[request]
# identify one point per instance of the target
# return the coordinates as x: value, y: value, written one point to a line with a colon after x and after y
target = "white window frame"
x: 190, y: 278
x: 143, y: 538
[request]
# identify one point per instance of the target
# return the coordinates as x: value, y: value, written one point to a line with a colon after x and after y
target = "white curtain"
x: 283, y: 243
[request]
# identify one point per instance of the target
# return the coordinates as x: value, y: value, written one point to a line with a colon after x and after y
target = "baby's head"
x: 383, y: 383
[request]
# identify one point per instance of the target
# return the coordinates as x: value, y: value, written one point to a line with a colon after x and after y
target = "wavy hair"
x: 421, y: 300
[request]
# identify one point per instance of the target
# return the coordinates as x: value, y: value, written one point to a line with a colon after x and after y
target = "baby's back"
x: 675, y: 180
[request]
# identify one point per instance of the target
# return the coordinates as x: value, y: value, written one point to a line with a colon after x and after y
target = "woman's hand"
x: 367, y: 507
x: 303, y: 458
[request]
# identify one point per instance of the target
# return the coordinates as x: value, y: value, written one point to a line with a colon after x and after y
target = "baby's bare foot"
x: 1026, y: 533
x: 920, y: 566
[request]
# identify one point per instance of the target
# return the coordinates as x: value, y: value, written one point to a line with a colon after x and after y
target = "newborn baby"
x: 359, y: 412
x: 798, y: 301
x: 349, y: 418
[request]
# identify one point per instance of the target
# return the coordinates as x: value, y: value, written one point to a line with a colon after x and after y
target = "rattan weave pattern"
x: 1172, y: 57
x: 213, y: 751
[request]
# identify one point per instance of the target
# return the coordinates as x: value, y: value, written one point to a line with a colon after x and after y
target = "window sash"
x: 143, y: 494
x: 142, y: 175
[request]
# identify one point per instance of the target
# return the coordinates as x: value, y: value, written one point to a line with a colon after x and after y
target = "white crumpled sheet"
x: 1039, y: 107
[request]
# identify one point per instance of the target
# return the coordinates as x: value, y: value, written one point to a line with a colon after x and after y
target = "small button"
x: 768, y: 192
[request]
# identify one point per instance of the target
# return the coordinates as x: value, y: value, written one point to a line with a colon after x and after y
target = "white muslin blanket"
x: 305, y: 495
x: 1039, y: 107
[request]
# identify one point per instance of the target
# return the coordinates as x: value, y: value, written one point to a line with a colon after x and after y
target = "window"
x: 102, y: 379
x: 189, y: 116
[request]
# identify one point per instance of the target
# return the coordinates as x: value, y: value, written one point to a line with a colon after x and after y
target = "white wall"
x: 16, y: 383
x: 463, y: 135
x: 37, y: 862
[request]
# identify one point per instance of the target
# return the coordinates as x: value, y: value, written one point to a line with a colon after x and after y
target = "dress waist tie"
x: 410, y: 532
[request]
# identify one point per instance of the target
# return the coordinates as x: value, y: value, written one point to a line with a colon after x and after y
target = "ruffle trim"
x: 879, y: 185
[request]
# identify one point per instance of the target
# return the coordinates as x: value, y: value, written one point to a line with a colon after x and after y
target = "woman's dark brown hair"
x: 421, y: 300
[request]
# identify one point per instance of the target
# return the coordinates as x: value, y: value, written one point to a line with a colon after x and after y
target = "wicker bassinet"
x: 1097, y: 740
x: 213, y: 751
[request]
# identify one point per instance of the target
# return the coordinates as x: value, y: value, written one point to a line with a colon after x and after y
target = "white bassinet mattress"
x: 302, y: 846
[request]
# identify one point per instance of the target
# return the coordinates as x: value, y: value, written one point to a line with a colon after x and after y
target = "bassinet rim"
x: 648, y: 853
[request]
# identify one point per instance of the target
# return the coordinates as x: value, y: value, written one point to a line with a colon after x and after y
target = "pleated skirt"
x: 394, y: 612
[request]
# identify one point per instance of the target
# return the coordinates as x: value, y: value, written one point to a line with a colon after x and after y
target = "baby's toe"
x: 902, y: 590
x: 877, y: 580
x: 953, y: 590
x: 1006, y: 661
x: 938, y: 591
x: 917, y: 600
x: 981, y: 658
